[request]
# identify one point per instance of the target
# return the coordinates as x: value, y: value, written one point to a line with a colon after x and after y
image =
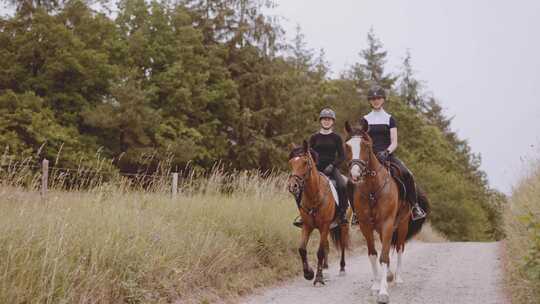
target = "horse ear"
x: 364, y: 124
x: 348, y: 127
x: 306, y: 146
x: 292, y: 146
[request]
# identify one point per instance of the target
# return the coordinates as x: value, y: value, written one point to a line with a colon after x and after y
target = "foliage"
x: 201, y: 81
x: 522, y: 227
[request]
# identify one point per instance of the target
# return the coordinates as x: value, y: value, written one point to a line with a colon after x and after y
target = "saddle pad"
x: 332, y: 188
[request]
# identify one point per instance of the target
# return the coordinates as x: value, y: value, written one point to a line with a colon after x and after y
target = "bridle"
x: 366, y: 172
x: 301, y: 179
x: 364, y: 168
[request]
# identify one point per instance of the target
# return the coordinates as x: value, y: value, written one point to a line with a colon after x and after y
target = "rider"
x: 383, y: 132
x: 329, y: 147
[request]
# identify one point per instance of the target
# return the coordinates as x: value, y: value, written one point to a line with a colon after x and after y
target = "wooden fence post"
x: 174, y: 185
x: 44, y: 177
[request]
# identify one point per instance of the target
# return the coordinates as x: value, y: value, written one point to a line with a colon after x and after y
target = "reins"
x: 301, y: 180
x: 368, y: 173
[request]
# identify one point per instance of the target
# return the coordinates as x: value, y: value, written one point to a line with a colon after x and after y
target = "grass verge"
x: 522, y: 223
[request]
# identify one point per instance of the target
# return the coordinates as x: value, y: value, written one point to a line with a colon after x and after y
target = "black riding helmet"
x: 327, y: 113
x: 375, y: 92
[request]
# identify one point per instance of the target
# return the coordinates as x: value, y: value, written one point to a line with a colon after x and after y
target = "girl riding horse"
x: 317, y: 209
x: 383, y: 131
x: 329, y: 148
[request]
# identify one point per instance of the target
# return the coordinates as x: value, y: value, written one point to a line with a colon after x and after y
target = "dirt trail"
x: 433, y: 273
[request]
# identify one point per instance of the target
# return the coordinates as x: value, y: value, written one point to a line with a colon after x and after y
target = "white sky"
x: 480, y: 58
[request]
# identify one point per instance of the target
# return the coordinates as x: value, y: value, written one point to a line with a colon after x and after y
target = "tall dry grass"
x: 112, y: 239
x: 223, y: 235
x: 522, y: 222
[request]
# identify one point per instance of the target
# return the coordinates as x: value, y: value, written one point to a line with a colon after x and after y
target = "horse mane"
x: 299, y: 151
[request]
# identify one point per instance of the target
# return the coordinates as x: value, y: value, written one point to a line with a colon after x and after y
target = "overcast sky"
x: 479, y: 58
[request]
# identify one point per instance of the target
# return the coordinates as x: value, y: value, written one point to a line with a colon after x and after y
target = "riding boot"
x: 417, y: 212
x: 342, y: 207
x: 298, y: 220
x: 341, y: 187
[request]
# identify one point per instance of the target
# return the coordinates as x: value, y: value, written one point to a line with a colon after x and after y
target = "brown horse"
x: 378, y: 207
x: 317, y: 209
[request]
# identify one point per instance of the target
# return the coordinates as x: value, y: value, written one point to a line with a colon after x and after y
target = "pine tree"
x: 409, y: 87
x: 371, y: 70
x: 374, y: 57
x: 301, y: 55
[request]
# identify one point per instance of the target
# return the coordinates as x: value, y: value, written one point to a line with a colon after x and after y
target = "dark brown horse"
x: 317, y: 209
x: 378, y: 207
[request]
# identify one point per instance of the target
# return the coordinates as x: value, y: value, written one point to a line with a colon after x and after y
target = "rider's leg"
x: 298, y: 221
x: 341, y: 185
x: 408, y: 179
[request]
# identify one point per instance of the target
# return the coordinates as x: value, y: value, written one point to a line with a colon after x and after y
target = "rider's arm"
x: 393, y: 136
x: 393, y: 140
x: 340, y: 157
x: 312, y: 140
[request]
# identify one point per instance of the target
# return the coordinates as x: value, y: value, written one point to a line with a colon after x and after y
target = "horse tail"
x: 341, y: 237
x: 415, y: 226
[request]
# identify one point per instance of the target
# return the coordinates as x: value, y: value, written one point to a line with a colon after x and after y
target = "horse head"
x: 301, y: 161
x: 358, y: 149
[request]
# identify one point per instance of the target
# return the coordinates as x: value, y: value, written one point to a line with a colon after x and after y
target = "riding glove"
x: 328, y: 170
x: 382, y: 156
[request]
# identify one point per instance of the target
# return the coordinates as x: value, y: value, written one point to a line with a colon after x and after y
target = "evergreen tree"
x: 371, y: 70
x: 201, y: 81
x: 374, y: 57
x: 409, y: 87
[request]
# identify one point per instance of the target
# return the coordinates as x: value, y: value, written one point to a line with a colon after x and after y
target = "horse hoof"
x: 383, y: 299
x: 318, y: 280
x: 325, y: 266
x: 389, y: 276
x: 399, y: 280
x: 309, y: 274
x: 342, y: 273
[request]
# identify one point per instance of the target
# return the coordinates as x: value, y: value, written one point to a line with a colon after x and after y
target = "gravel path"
x: 433, y: 273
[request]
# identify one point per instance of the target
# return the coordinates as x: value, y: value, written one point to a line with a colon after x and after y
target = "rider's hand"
x: 382, y: 156
x: 328, y: 170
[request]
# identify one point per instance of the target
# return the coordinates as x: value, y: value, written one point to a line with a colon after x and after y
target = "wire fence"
x: 41, y: 175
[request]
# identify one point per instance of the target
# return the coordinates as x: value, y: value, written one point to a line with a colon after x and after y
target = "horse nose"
x: 355, y: 172
x: 293, y: 188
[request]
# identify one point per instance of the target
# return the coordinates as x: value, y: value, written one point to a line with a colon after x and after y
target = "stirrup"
x: 354, y: 220
x: 298, y: 222
x: 419, y: 214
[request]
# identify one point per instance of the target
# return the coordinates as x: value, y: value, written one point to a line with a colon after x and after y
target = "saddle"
x: 395, y: 172
x: 336, y: 197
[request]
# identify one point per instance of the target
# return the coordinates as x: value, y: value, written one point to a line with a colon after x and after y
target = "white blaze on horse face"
x: 354, y: 143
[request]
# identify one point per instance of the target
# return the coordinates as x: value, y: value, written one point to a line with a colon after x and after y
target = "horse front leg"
x: 400, y: 247
x: 321, y: 253
x: 326, y: 252
x: 367, y: 231
x: 306, y: 232
x: 342, y: 261
x: 386, y: 238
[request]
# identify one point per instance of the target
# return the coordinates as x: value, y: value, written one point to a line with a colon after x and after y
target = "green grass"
x: 221, y: 237
x: 522, y: 222
x: 112, y: 245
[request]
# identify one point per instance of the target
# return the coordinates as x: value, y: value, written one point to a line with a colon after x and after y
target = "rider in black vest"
x: 329, y: 148
x: 383, y: 132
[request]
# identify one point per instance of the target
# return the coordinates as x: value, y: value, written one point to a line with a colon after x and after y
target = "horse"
x: 317, y: 209
x: 379, y: 207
